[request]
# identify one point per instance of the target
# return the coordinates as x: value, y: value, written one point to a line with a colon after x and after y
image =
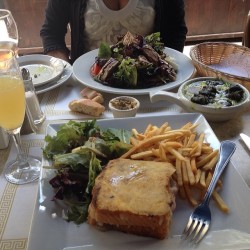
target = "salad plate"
x: 51, y: 232
x: 82, y: 66
x: 42, y: 68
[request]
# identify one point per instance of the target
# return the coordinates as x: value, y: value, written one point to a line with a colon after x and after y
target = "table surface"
x: 17, y: 202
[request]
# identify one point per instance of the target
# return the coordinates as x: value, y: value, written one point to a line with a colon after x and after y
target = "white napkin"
x: 234, y: 64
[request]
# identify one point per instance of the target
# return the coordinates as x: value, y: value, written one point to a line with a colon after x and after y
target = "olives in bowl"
x: 216, y: 99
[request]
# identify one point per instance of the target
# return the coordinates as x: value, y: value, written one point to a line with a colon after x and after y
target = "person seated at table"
x: 95, y: 21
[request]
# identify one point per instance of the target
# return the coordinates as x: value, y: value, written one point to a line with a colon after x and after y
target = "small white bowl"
x: 124, y: 106
x: 216, y: 114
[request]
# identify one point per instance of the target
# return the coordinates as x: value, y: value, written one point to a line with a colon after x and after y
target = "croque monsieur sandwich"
x: 134, y: 197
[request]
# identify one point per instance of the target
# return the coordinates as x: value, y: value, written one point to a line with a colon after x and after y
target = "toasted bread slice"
x: 133, y: 197
x: 87, y: 106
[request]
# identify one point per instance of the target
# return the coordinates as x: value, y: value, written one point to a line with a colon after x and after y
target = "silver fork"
x: 199, y: 221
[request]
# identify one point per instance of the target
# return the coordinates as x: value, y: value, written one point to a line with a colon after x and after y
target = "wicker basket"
x: 223, y: 60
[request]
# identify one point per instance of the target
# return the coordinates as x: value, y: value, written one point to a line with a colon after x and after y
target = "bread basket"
x: 224, y: 60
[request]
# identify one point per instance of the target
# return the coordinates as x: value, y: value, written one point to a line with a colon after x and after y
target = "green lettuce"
x: 154, y: 40
x: 70, y: 135
x: 127, y: 72
x: 104, y: 51
x: 78, y: 152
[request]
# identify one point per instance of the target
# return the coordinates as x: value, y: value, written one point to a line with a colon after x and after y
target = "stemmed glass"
x: 24, y: 168
x: 8, y: 31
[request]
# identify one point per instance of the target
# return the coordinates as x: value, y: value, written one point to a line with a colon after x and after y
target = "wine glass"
x: 24, y: 168
x: 8, y: 31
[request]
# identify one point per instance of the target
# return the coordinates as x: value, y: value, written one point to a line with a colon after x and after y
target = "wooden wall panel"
x: 215, y: 18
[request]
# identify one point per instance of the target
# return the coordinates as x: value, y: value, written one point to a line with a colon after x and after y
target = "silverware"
x: 200, y: 220
x: 245, y: 139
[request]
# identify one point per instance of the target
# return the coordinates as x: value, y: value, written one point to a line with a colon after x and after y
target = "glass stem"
x: 17, y: 141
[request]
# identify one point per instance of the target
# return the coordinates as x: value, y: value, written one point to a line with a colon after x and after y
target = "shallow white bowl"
x: 211, y: 113
x: 118, y: 113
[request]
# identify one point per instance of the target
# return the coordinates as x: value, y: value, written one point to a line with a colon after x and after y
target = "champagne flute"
x: 24, y: 168
x: 8, y: 31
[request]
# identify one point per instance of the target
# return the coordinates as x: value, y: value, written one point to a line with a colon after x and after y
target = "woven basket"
x: 223, y: 60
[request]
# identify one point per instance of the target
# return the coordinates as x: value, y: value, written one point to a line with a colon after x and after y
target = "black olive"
x: 208, y: 91
x: 235, y: 93
x: 235, y: 88
x: 237, y: 96
x: 200, y: 99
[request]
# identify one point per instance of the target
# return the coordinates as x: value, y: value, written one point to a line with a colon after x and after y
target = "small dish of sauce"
x: 124, y: 106
x: 124, y: 103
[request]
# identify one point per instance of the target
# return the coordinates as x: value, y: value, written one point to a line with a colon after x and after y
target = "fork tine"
x: 203, y: 231
x: 186, y: 229
x: 191, y: 228
x: 198, y: 229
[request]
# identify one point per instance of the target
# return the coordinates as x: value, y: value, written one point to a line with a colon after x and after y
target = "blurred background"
x: 209, y: 20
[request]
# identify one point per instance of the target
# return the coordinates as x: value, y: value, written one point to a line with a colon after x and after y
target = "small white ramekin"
x: 119, y: 113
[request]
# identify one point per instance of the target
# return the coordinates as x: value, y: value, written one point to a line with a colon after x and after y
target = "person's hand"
x: 59, y: 54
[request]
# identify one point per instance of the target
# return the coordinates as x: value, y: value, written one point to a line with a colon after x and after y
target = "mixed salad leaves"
x: 134, y: 62
x: 78, y: 152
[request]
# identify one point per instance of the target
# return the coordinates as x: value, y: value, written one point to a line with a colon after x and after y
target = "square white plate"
x: 228, y: 231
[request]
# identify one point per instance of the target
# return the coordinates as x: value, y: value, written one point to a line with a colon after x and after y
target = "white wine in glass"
x: 8, y: 31
x: 24, y: 168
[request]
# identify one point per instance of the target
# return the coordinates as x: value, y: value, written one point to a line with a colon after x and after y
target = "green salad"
x: 78, y: 153
x: 134, y: 62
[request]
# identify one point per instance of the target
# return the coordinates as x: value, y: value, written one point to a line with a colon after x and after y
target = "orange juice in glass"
x: 12, y: 102
x: 25, y: 168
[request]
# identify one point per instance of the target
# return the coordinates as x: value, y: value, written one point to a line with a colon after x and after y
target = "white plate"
x: 81, y: 70
x: 42, y: 68
x: 67, y: 72
x: 49, y: 231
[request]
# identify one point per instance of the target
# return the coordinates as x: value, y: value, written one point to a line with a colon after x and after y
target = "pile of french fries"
x: 193, y: 158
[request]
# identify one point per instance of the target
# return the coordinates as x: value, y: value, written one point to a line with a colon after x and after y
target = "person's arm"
x: 170, y: 21
x: 62, y: 54
x: 54, y: 29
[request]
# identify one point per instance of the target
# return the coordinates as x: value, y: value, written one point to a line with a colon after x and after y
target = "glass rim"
x: 8, y: 12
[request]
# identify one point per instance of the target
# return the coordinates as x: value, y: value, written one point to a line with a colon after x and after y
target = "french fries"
x: 193, y: 158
